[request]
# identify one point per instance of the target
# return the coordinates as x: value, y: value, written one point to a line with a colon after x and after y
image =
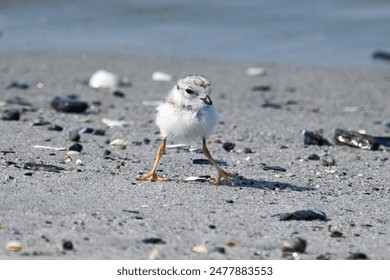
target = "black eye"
x: 190, y: 91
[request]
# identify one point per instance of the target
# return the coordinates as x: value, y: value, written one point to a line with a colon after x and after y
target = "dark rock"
x: 328, y: 162
x: 212, y: 227
x: 261, y: 88
x: 383, y: 55
x: 220, y: 250
x: 303, y: 215
x: 86, y: 130
x: 228, y: 146
x: 42, y: 167
x: 118, y: 93
x: 206, y: 161
x: 313, y: 157
x: 313, y: 138
x: 55, y: 127
x: 69, y: 104
x: 146, y: 141
x: 230, y: 201
x: 67, y: 245
x: 99, y: 132
x: 11, y: 115
x: 271, y: 105
x: 19, y: 85
x: 153, y: 240
x: 71, y: 134
x: 274, y: 168
x: 76, y: 147
x: 17, y: 100
x: 40, y: 123
x: 357, y: 256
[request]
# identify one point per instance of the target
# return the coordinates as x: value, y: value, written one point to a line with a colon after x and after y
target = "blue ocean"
x: 305, y: 32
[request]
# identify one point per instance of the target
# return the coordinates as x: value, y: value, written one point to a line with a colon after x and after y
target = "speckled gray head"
x: 195, y: 86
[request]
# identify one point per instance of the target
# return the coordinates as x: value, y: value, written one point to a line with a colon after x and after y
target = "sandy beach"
x: 92, y: 206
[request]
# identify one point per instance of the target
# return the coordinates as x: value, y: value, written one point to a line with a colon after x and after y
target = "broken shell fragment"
x: 119, y: 143
x: 14, y: 246
x: 355, y: 139
x: 161, y: 76
x: 113, y: 123
x: 197, y: 179
x: 255, y: 71
x: 104, y: 79
x: 296, y: 244
x: 200, y: 249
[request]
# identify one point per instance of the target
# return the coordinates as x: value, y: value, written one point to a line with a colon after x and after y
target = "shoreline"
x: 106, y: 214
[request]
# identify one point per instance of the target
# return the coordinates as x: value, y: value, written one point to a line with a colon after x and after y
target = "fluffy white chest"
x: 185, y: 123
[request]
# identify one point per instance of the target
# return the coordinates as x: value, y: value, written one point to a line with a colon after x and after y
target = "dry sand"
x: 98, y: 210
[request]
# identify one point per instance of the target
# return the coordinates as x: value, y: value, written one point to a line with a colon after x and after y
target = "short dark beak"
x: 207, y: 100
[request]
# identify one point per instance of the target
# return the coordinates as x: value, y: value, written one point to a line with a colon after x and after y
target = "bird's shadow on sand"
x: 269, y: 185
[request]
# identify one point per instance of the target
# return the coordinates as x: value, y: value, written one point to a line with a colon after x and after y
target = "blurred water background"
x: 306, y: 32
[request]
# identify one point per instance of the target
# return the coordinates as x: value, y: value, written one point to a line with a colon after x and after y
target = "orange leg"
x: 152, y: 176
x: 221, y: 173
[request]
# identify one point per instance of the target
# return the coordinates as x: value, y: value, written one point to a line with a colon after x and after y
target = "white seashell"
x: 79, y: 162
x: 154, y: 255
x: 118, y: 142
x: 195, y: 179
x: 113, y: 123
x: 104, y: 79
x: 200, y: 249
x: 49, y: 148
x: 15, y: 246
x: 161, y: 76
x: 255, y: 71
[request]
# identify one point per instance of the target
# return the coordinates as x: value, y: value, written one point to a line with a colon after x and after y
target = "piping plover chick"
x: 187, y: 114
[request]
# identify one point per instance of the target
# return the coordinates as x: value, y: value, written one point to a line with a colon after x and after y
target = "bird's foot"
x: 222, y: 174
x: 153, y: 178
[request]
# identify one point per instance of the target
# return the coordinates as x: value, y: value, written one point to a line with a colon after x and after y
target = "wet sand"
x: 96, y: 209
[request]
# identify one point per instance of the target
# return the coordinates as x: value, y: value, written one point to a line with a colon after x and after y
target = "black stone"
x: 40, y: 123
x: 55, y: 127
x: 19, y: 85
x: 357, y: 256
x: 67, y: 245
x: 313, y: 157
x: 261, y: 88
x: 271, y: 105
x: 228, y: 146
x: 274, y: 168
x: 303, y: 215
x: 153, y: 240
x: 99, y: 132
x: 11, y: 115
x: 206, y: 161
x: 76, y: 147
x: 86, y: 130
x: 69, y: 104
x: 118, y: 93
x: 313, y: 138
x: 42, y: 167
